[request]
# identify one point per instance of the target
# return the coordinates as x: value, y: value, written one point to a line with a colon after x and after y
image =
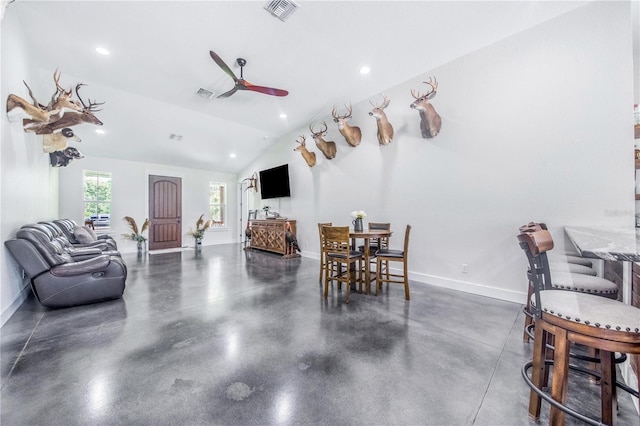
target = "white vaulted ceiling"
x: 160, y: 58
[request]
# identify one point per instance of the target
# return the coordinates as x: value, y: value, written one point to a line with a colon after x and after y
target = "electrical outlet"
x: 465, y: 268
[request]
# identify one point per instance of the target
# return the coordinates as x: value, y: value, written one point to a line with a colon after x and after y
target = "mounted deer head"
x: 328, y: 148
x: 61, y: 99
x: 33, y: 115
x: 352, y: 134
x: 430, y: 121
x: 309, y: 157
x: 59, y: 141
x: 60, y: 103
x: 385, y: 129
x: 74, y: 118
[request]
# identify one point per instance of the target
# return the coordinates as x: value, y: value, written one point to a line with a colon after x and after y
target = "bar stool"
x: 566, y: 317
x: 564, y: 279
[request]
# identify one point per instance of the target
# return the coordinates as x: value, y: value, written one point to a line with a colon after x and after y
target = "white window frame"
x: 213, y: 185
x: 97, y: 175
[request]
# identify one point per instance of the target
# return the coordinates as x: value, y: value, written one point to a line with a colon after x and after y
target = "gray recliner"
x: 68, y: 227
x: 60, y: 280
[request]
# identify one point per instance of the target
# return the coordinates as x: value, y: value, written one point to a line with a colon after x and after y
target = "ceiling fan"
x: 241, y: 83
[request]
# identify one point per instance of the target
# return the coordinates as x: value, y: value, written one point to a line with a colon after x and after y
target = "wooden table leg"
x: 367, y: 267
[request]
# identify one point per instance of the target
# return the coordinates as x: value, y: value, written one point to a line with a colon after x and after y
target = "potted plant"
x: 198, y: 233
x: 135, y: 234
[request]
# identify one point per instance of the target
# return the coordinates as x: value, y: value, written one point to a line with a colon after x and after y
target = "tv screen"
x: 274, y: 183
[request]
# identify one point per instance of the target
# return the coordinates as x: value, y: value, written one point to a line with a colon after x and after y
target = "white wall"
x: 535, y: 127
x: 29, y: 186
x: 130, y: 181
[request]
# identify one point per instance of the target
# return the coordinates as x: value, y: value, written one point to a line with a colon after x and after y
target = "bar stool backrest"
x: 536, y: 244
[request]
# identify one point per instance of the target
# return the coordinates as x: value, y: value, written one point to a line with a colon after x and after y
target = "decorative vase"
x: 198, y: 244
x: 357, y: 225
x: 142, y: 247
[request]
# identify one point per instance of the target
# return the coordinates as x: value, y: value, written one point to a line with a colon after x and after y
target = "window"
x: 97, y: 197
x: 218, y: 203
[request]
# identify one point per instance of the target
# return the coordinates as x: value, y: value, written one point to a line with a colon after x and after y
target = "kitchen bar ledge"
x: 608, y: 243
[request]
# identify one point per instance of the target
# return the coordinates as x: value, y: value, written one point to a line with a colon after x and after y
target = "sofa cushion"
x: 83, y: 235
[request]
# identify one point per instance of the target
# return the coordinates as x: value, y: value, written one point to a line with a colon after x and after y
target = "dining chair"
x: 386, y: 255
x: 566, y: 317
x: 339, y: 253
x: 323, y: 256
x: 376, y: 244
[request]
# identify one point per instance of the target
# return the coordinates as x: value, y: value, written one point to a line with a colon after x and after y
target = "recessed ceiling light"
x: 283, y: 115
x: 100, y: 131
x: 232, y: 155
x: 365, y: 70
x: 102, y: 51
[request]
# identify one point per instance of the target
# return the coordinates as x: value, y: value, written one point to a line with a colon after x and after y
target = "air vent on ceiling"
x: 281, y: 9
x: 175, y: 137
x: 204, y: 93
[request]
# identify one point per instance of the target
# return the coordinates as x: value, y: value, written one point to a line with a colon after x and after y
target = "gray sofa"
x: 63, y: 273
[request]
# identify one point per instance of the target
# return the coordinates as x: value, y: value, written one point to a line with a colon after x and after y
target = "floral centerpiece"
x: 136, y: 234
x: 201, y: 227
x: 357, y: 216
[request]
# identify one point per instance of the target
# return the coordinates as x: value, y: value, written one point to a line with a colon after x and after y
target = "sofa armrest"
x: 95, y: 264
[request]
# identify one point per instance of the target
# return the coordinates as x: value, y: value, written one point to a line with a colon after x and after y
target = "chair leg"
x: 326, y: 279
x: 560, y: 376
x: 378, y: 274
x: 406, y: 282
x: 322, y: 264
x: 537, y: 372
x: 607, y: 388
x: 348, y: 283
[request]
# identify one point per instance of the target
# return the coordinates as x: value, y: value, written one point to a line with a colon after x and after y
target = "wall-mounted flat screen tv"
x: 274, y: 183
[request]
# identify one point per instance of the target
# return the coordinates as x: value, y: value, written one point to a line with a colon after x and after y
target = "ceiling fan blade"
x: 265, y: 90
x: 230, y: 92
x: 222, y: 65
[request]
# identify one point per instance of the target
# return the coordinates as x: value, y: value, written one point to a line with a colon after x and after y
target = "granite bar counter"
x: 608, y: 243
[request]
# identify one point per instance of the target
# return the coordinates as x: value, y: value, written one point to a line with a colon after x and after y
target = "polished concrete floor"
x: 229, y: 337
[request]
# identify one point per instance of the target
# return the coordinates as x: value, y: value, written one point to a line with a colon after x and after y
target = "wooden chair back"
x: 336, y: 240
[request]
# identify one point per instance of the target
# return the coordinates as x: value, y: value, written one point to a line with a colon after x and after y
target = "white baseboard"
x: 465, y: 286
x: 13, y: 307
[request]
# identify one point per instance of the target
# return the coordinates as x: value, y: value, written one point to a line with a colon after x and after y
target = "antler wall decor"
x: 430, y: 121
x: 352, y: 134
x: 328, y: 148
x: 385, y: 129
x: 54, y: 119
x: 309, y: 156
x: 253, y: 182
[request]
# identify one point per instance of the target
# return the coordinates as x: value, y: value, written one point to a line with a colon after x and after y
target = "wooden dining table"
x: 367, y: 235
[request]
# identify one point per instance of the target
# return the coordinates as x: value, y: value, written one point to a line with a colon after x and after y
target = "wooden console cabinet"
x: 269, y: 234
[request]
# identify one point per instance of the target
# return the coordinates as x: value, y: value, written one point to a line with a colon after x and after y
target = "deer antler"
x: 92, y: 105
x: 415, y: 95
x: 434, y: 87
x: 349, y: 110
x: 304, y: 140
x: 33, y: 98
x: 385, y: 102
x: 320, y: 132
